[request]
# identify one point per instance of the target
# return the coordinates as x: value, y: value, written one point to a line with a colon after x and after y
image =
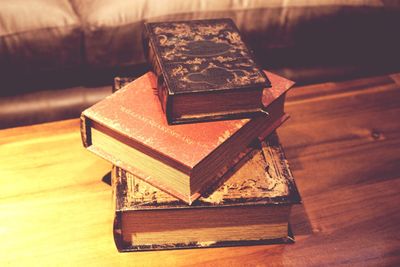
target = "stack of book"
x: 197, y: 162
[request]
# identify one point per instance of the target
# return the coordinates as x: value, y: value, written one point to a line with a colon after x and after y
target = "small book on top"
x: 205, y: 71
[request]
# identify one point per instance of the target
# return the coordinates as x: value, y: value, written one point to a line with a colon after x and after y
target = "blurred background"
x: 57, y: 57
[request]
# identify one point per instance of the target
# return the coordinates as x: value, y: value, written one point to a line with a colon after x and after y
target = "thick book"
x: 251, y: 207
x: 128, y: 129
x: 205, y: 70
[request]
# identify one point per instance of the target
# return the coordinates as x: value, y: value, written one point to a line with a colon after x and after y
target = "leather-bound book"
x: 205, y: 71
x: 129, y: 129
x: 251, y: 207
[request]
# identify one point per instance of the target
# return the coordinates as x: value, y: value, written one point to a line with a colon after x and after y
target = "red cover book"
x: 129, y: 129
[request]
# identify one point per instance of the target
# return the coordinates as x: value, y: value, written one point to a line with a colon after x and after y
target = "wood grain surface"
x: 343, y: 144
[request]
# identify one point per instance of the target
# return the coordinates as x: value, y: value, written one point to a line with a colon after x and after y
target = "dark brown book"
x: 251, y: 207
x: 205, y: 71
x: 129, y: 130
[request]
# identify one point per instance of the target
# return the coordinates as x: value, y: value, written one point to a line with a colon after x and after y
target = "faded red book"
x: 130, y: 130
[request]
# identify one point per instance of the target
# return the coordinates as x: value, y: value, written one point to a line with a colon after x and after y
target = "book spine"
x: 118, y: 198
x: 85, y: 131
x: 155, y: 66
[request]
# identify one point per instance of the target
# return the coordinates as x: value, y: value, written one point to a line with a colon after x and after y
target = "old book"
x: 205, y: 71
x: 129, y: 130
x: 251, y: 207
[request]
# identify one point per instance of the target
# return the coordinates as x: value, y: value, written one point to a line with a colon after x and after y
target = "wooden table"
x: 343, y: 144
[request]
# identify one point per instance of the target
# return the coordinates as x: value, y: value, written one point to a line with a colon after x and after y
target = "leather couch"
x: 58, y: 57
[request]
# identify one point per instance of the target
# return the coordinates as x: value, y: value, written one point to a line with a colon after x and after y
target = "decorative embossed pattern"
x: 204, y: 55
x: 264, y: 178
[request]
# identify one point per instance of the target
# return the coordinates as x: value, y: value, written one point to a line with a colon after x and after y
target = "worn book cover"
x: 203, y: 62
x: 251, y: 207
x: 129, y: 130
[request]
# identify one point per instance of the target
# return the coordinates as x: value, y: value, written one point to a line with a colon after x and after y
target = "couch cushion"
x: 113, y: 29
x: 282, y: 32
x: 38, y: 35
